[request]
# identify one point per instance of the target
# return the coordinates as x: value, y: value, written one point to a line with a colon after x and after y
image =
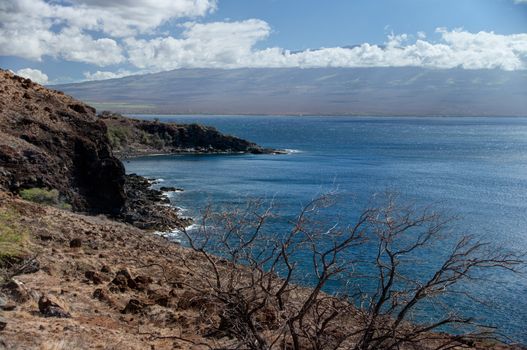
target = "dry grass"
x: 14, y: 238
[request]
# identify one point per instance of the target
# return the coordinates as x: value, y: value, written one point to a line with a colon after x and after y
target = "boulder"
x: 134, y: 306
x: 16, y: 291
x: 49, y: 306
x: 93, y: 276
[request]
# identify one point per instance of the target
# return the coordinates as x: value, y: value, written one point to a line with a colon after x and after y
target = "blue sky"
x: 303, y: 24
x: 73, y: 40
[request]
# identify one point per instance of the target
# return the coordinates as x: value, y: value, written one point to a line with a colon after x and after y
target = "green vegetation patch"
x: 119, y: 136
x: 44, y: 196
x: 14, y: 238
x: 41, y: 196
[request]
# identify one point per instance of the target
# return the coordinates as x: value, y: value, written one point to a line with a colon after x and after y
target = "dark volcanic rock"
x: 16, y: 291
x: 76, y: 243
x: 144, y: 206
x: 51, y: 307
x: 50, y: 140
x: 134, y: 306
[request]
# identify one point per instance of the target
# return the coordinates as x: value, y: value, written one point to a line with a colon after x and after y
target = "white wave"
x: 181, y: 209
x: 171, y: 194
x: 177, y: 232
x: 292, y: 151
x: 155, y: 181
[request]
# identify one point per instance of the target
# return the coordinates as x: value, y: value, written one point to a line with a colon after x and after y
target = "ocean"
x: 471, y: 168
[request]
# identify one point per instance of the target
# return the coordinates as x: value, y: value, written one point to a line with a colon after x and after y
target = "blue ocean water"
x: 474, y: 168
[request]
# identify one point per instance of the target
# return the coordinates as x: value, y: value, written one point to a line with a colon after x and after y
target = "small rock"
x: 16, y: 291
x: 130, y: 282
x: 142, y: 282
x: 8, y: 306
x: 134, y: 306
x: 49, y: 306
x: 170, y: 189
x: 76, y: 243
x: 120, y: 282
x: 126, y: 273
x: 102, y: 295
x: 106, y: 269
x: 3, y: 323
x: 93, y: 276
x: 45, y: 237
x: 162, y: 300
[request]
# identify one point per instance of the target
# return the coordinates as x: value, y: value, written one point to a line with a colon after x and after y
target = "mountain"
x: 322, y: 91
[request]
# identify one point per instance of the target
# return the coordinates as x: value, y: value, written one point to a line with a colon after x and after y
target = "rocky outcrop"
x: 133, y: 137
x: 50, y: 140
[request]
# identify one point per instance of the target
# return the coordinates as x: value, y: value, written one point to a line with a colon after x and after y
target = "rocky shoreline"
x: 149, y: 209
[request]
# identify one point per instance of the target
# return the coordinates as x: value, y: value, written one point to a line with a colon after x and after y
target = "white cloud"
x: 35, y: 28
x: 107, y: 33
x: 219, y: 44
x: 34, y: 74
x: 102, y: 75
x: 232, y: 45
x: 520, y: 1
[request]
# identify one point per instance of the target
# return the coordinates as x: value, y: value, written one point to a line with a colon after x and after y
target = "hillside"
x: 50, y: 140
x: 319, y: 91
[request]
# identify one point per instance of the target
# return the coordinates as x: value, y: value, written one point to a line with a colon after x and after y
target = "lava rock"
x: 49, y: 306
x: 134, y: 306
x: 16, y: 291
x: 106, y: 269
x: 102, y: 295
x: 76, y: 243
x: 94, y: 277
x: 142, y: 282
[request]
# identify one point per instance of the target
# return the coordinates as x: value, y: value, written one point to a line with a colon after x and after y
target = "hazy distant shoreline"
x: 403, y: 91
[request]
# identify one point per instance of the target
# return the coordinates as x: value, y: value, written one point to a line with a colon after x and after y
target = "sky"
x: 61, y: 41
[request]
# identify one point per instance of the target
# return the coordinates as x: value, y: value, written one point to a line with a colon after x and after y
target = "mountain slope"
x: 325, y: 91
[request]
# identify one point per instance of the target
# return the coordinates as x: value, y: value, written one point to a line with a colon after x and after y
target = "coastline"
x: 81, y: 281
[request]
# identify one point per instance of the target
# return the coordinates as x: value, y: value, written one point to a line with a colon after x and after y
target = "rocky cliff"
x: 133, y: 137
x: 50, y: 140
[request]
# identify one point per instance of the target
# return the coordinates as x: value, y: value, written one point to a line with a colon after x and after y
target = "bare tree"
x: 253, y: 278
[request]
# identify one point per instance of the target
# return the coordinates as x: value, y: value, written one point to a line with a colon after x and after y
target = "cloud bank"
x: 231, y: 45
x: 121, y: 32
x: 34, y: 74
